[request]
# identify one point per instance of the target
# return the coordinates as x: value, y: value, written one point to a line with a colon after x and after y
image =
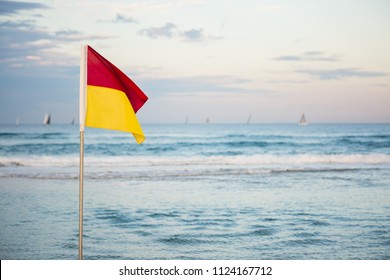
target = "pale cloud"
x: 199, y: 85
x: 120, y: 18
x: 13, y: 7
x: 310, y: 56
x: 342, y: 73
x: 167, y: 31
x: 22, y: 40
x: 16, y: 38
x: 74, y: 35
x: 140, y: 7
x: 124, y: 18
x: 17, y: 24
x: 170, y: 31
x: 194, y: 34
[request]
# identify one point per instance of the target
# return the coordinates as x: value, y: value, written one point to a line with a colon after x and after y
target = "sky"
x: 196, y: 59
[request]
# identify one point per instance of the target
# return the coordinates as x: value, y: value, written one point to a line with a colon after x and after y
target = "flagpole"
x: 82, y: 104
x: 81, y: 194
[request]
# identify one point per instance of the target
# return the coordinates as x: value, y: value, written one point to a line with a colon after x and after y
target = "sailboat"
x: 249, y: 119
x: 303, y: 121
x: 46, y: 119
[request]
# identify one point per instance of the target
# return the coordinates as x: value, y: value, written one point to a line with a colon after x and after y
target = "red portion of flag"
x: 102, y: 73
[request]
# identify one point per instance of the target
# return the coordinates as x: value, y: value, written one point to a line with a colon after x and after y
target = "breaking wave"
x: 126, y: 167
x: 123, y: 161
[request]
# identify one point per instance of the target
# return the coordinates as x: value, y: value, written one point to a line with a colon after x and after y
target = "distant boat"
x: 17, y: 121
x: 249, y: 119
x: 208, y: 121
x: 73, y: 120
x: 303, y: 121
x: 46, y: 119
x: 186, y: 121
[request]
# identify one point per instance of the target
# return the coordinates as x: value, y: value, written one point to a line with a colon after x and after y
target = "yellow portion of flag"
x: 111, y: 109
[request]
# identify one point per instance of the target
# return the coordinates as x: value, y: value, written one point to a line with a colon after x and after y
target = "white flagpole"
x: 82, y: 104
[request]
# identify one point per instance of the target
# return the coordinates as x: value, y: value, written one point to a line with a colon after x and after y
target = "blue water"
x: 197, y: 192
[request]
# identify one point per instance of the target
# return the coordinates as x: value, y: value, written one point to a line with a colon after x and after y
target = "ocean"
x: 258, y: 191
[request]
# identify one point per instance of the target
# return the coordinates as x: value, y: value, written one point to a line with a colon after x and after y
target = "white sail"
x: 303, y: 121
x: 46, y: 119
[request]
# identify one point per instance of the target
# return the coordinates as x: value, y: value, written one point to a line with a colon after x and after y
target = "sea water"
x: 279, y: 191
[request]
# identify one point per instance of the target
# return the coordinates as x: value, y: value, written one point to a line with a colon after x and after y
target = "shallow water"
x: 198, y: 192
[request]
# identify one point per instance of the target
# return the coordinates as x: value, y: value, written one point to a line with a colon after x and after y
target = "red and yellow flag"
x: 112, y: 98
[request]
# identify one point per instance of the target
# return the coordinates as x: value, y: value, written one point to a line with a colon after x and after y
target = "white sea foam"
x: 254, y: 160
x: 151, y: 167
